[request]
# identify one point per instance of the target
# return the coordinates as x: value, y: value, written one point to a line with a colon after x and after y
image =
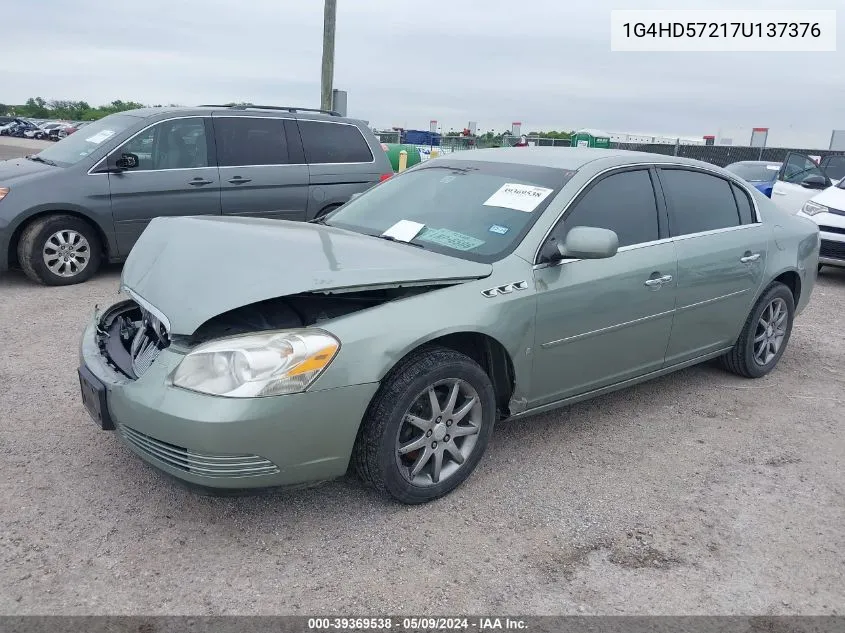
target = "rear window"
x: 334, y: 143
x: 250, y: 141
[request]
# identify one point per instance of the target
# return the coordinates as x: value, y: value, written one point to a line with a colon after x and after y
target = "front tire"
x: 427, y: 427
x: 59, y: 250
x: 765, y: 334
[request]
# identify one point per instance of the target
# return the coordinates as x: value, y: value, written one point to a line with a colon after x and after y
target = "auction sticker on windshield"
x: 404, y: 230
x: 518, y: 197
x: 451, y: 239
x: 100, y: 136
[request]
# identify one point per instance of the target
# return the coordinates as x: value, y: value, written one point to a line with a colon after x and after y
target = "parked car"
x: 799, y: 179
x: 395, y: 332
x: 760, y: 173
x: 17, y: 127
x: 827, y: 209
x: 87, y: 199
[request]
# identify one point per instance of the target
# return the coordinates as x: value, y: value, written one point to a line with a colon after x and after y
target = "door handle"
x: 658, y: 281
x: 198, y: 182
x: 749, y: 258
x: 238, y: 180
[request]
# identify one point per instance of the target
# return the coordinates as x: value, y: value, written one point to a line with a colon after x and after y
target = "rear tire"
x: 59, y: 250
x: 764, y: 336
x: 413, y: 452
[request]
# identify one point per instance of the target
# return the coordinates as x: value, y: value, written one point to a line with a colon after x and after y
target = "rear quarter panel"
x: 794, y: 246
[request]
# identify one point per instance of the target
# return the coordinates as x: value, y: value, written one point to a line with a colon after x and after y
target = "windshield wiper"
x: 38, y: 159
x: 390, y: 238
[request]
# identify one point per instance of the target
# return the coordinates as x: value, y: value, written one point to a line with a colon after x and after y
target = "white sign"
x: 404, y: 230
x: 773, y: 167
x: 433, y: 126
x: 100, y: 136
x: 710, y: 30
x: 518, y: 197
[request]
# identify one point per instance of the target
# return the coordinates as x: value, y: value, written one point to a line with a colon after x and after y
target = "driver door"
x: 790, y: 190
x: 604, y: 321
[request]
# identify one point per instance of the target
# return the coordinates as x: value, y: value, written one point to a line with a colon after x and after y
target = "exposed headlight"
x: 813, y: 208
x: 4, y: 191
x: 255, y: 365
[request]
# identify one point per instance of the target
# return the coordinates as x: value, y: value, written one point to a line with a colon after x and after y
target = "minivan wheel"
x: 427, y: 427
x: 59, y: 250
x: 765, y: 334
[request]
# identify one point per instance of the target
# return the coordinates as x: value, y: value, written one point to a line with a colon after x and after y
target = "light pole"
x: 327, y: 74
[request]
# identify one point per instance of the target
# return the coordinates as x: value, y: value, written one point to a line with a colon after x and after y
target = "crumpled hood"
x: 193, y: 268
x: 17, y: 170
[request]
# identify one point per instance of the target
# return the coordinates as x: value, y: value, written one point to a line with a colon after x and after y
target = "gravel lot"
x: 698, y: 493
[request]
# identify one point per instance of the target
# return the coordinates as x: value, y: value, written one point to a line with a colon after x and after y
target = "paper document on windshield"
x: 100, y: 136
x: 404, y: 230
x: 518, y: 197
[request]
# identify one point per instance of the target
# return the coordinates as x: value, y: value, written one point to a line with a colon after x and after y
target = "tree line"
x: 38, y: 108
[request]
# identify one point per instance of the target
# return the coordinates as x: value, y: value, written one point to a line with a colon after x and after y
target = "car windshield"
x: 76, y: 147
x: 469, y: 209
x: 755, y: 172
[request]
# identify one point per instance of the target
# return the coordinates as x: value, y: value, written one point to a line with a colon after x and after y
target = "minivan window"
x: 699, y: 201
x: 75, y: 147
x: 623, y: 203
x: 173, y: 144
x: 250, y: 141
x: 333, y: 143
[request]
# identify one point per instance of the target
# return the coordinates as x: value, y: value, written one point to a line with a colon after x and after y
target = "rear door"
x: 175, y: 175
x: 788, y: 192
x: 722, y: 248
x: 340, y: 163
x: 262, y: 173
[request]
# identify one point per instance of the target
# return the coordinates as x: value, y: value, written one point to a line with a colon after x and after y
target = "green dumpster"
x: 392, y: 150
x: 590, y: 138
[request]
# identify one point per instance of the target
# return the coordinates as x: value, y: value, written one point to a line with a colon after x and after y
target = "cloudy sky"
x: 546, y: 63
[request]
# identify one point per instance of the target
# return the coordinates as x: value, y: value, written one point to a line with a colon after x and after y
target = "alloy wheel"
x: 439, y: 432
x: 770, y: 332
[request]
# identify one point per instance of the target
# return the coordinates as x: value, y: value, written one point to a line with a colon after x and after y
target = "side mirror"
x: 126, y: 161
x: 585, y: 242
x: 814, y: 182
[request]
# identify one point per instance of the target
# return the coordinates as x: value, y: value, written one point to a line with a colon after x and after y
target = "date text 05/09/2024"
x: 417, y: 624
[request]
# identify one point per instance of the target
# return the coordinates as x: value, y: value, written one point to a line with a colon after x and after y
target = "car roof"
x: 569, y: 157
x: 292, y: 112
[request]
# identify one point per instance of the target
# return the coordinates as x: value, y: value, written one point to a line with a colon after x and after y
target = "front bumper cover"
x: 275, y: 441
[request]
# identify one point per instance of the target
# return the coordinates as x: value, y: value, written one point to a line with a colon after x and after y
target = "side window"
x: 834, y: 167
x: 623, y: 203
x: 250, y: 141
x: 698, y: 202
x: 798, y: 167
x: 333, y: 143
x: 175, y: 144
x: 746, y: 210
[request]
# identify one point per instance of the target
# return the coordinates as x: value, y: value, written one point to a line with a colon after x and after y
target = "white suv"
x: 801, y: 177
x: 827, y: 209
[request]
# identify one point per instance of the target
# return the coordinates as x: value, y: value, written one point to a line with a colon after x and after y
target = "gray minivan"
x: 89, y: 197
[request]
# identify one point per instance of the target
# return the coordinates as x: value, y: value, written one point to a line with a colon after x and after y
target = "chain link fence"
x: 723, y: 155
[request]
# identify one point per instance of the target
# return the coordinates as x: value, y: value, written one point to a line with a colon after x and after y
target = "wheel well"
x: 16, y: 236
x: 491, y: 355
x: 791, y: 280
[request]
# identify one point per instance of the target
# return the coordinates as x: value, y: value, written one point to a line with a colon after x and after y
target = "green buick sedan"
x: 391, y: 335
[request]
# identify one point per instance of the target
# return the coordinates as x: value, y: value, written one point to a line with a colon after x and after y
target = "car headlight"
x: 813, y: 208
x: 256, y: 365
x: 4, y: 191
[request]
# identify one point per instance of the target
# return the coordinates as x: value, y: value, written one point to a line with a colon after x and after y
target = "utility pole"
x: 327, y: 76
